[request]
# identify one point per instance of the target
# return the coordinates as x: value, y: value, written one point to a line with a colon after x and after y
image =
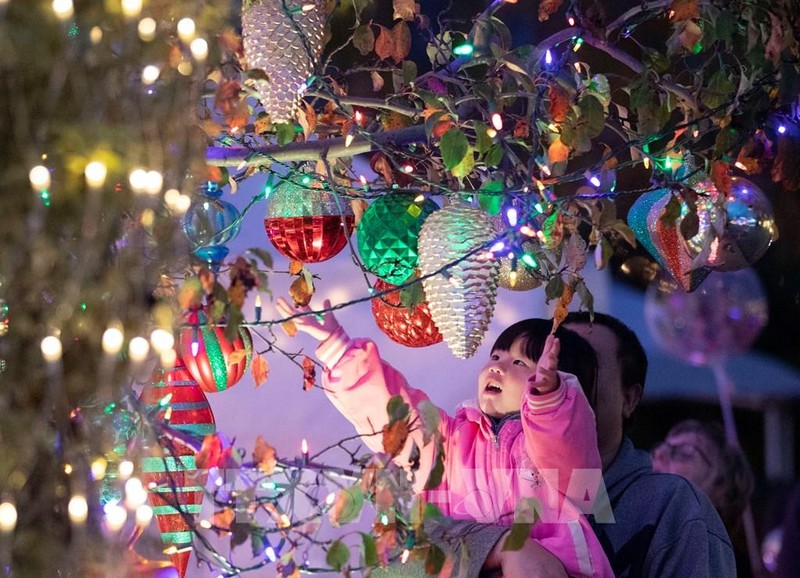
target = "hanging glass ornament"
x: 175, y: 399
x: 209, y: 223
x: 284, y: 38
x: 462, y: 297
x: 388, y: 234
x: 412, y: 327
x: 306, y: 223
x: 665, y: 241
x: 216, y: 362
x: 748, y: 231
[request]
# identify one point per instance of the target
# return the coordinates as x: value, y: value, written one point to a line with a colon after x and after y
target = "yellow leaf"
x: 223, y: 519
x: 289, y: 328
x: 260, y: 367
x: 236, y: 356
x: 562, y: 306
x: 264, y: 456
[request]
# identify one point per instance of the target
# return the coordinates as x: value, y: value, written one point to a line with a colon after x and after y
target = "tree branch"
x: 311, y: 151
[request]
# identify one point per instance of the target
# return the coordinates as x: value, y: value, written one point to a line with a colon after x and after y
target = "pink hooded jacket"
x: 549, y: 454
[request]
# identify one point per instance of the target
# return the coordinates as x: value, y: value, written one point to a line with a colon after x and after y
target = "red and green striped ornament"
x: 174, y: 485
x: 216, y: 362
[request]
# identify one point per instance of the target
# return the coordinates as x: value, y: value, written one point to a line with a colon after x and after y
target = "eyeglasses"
x: 682, y: 452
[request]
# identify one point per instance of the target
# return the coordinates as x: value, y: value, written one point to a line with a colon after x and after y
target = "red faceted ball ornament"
x: 308, y: 223
x: 216, y: 362
x: 409, y: 327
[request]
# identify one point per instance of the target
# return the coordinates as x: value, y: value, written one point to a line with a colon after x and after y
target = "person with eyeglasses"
x: 700, y: 453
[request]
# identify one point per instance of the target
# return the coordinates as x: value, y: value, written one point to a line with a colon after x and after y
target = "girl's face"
x: 502, y: 381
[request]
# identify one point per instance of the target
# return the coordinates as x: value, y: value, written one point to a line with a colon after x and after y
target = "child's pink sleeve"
x: 561, y: 437
x: 360, y: 385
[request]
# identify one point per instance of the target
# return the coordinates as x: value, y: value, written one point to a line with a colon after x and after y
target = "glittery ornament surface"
x: 171, y: 473
x: 284, y: 41
x: 409, y: 327
x: 213, y: 366
x: 388, y: 235
x: 461, y: 299
x: 515, y: 275
x: 664, y: 241
x: 749, y: 228
x: 308, y: 224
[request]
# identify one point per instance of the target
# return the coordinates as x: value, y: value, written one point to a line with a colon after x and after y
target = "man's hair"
x: 576, y: 357
x: 631, y: 356
x: 731, y: 490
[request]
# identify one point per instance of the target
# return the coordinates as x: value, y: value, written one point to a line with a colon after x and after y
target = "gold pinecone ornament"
x: 284, y: 38
x: 461, y: 299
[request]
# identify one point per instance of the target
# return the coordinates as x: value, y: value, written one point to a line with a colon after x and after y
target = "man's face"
x: 613, y: 405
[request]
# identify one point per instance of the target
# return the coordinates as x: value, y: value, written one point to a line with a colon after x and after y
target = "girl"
x: 530, y: 434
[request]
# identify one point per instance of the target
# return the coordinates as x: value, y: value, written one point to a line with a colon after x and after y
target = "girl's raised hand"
x: 320, y: 326
x: 545, y: 379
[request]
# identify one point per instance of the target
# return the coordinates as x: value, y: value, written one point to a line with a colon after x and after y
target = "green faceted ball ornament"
x: 388, y: 235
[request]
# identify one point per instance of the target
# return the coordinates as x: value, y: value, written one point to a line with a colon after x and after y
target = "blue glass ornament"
x: 210, y: 223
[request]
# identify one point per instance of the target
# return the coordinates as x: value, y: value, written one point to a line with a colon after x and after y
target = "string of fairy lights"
x: 519, y: 225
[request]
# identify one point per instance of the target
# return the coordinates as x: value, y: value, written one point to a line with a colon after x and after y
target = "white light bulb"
x: 115, y: 516
x: 51, y: 348
x: 78, y: 509
x: 96, y: 34
x: 144, y: 514
x: 150, y: 74
x: 8, y: 517
x: 95, y: 173
x: 199, y: 49
x: 138, y: 180
x: 186, y: 29
x: 131, y: 8
x: 112, y: 340
x: 138, y: 349
x: 39, y: 177
x: 63, y: 9
x: 154, y: 181
x: 161, y: 340
x: 135, y: 494
x: 99, y: 468
x: 147, y: 29
x: 168, y: 358
x: 125, y: 469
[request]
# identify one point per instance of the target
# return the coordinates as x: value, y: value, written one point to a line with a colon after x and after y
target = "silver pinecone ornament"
x: 284, y: 38
x: 461, y: 299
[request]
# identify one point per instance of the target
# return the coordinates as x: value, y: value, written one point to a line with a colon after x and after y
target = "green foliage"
x: 338, y: 555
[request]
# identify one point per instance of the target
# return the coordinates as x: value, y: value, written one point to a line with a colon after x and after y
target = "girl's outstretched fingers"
x: 545, y: 379
x: 319, y: 326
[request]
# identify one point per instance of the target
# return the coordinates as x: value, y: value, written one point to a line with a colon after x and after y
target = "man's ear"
x: 631, y: 395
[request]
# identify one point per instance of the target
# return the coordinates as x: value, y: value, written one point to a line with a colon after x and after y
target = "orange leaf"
x: 384, y: 42
x: 289, y: 328
x: 223, y: 519
x: 558, y: 151
x: 260, y: 367
x: 236, y: 295
x: 562, y: 307
x: 358, y: 206
x: 309, y: 374
x: 264, y: 455
x: 558, y: 103
x: 300, y: 292
x: 295, y: 267
x: 522, y: 129
x: 394, y: 437
x: 548, y: 7
x: 685, y: 10
x: 402, y: 41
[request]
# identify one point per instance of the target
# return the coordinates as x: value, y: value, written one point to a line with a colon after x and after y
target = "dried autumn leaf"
x: 547, y: 8
x: 237, y: 294
x: 364, y: 39
x: 562, y: 306
x: 690, y: 35
x: 377, y: 81
x: 358, y: 206
x: 394, y: 437
x: 300, y: 292
x: 229, y: 101
x: 381, y: 165
x: 308, y: 120
x: 207, y: 280
x: 295, y: 267
x: 223, y: 519
x: 259, y: 367
x: 384, y: 43
x: 685, y: 10
x: 522, y: 128
x: 402, y: 41
x: 309, y: 374
x: 405, y: 9
x: 289, y: 328
x: 262, y: 123
x: 557, y: 152
x: 236, y: 356
x: 264, y: 455
x: 190, y: 294
x: 229, y: 40
x: 720, y: 177
x: 558, y: 103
